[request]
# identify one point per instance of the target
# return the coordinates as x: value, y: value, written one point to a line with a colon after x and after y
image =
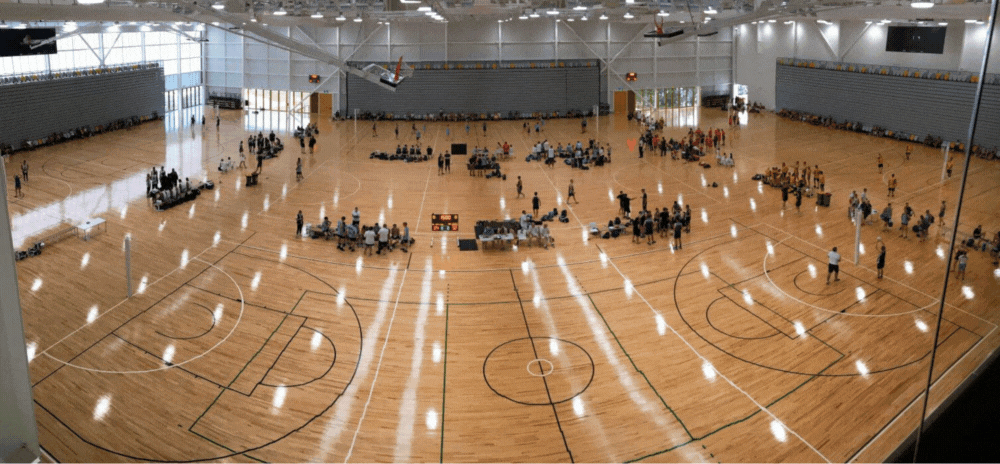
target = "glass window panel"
x: 132, y: 54
x: 170, y: 67
x: 114, y: 57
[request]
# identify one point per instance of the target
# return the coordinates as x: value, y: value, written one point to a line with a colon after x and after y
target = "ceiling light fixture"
x: 552, y: 12
x: 569, y: 20
x: 628, y: 15
x: 424, y: 9
x: 409, y: 1
x: 970, y: 21
x: 534, y: 14
x: 789, y: 22
x: 921, y: 5
x: 357, y: 19
x: 523, y: 16
x: 663, y: 13
x: 603, y: 17
x: 316, y: 15
x: 341, y: 17
x: 942, y: 23
x: 710, y: 10
x: 579, y: 8
x: 219, y: 6
x: 772, y: 21
x: 89, y: 2
x: 280, y: 12
x: 583, y: 18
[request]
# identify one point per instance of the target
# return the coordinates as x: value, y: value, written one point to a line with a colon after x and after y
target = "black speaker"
x: 459, y: 149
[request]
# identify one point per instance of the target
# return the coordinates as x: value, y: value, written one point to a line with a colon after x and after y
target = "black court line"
x: 922, y: 308
x: 48, y: 453
x: 777, y: 331
x: 210, y: 315
x: 332, y: 345
x: 527, y: 327
x: 167, y: 295
x: 915, y: 398
x: 280, y: 353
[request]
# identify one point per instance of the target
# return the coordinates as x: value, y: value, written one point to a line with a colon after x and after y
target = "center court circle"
x: 538, y: 371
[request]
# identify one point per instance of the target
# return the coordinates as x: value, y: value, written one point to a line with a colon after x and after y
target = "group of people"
x: 376, y: 238
x: 575, y: 155
x: 266, y: 147
x: 668, y: 222
x: 410, y: 154
x: 689, y: 148
x: 536, y: 230
x: 167, y: 189
x: 795, y: 178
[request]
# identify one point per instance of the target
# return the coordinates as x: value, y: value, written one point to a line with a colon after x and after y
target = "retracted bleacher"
x: 502, y: 90
x: 37, y: 109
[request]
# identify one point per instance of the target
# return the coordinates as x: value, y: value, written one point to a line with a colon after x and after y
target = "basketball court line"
x: 919, y: 396
x: 101, y: 371
x: 726, y: 378
x: 527, y: 327
x: 195, y: 257
x: 378, y: 367
x: 427, y: 183
x: 924, y: 309
x: 782, y: 290
x: 889, y: 278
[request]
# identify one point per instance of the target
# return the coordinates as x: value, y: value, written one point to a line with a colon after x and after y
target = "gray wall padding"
x: 35, y: 110
x: 480, y: 91
x: 902, y: 104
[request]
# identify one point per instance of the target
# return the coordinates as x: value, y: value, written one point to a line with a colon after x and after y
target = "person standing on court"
x: 374, y: 129
x: 570, y: 194
x: 644, y: 200
x: 302, y: 143
x: 17, y: 187
x: 447, y: 162
x: 440, y: 164
x: 535, y: 203
x: 520, y: 187
x: 834, y: 266
x: 24, y: 170
x: 298, y: 170
x: 678, y: 226
x: 299, y: 220
x: 892, y: 185
x: 784, y: 196
x: 484, y: 128
x: 880, y: 262
x: 798, y: 200
x: 217, y: 122
x: 397, y: 131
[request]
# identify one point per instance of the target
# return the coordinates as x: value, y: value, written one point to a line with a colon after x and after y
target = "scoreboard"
x: 444, y: 222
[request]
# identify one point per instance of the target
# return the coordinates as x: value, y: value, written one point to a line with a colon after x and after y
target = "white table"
x: 91, y: 224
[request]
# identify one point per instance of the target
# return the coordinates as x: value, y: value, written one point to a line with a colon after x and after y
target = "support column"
x: 17, y: 427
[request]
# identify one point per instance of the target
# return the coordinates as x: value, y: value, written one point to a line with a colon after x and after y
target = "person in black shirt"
x: 880, y: 262
x: 298, y: 223
x: 535, y: 202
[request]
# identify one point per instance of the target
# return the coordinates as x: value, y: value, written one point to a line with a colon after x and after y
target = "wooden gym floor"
x: 246, y: 343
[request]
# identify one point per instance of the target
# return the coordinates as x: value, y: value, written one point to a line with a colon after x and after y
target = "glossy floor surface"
x: 244, y: 342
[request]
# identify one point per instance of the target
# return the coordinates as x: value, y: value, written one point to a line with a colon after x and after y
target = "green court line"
x: 688, y: 432
x: 444, y: 387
